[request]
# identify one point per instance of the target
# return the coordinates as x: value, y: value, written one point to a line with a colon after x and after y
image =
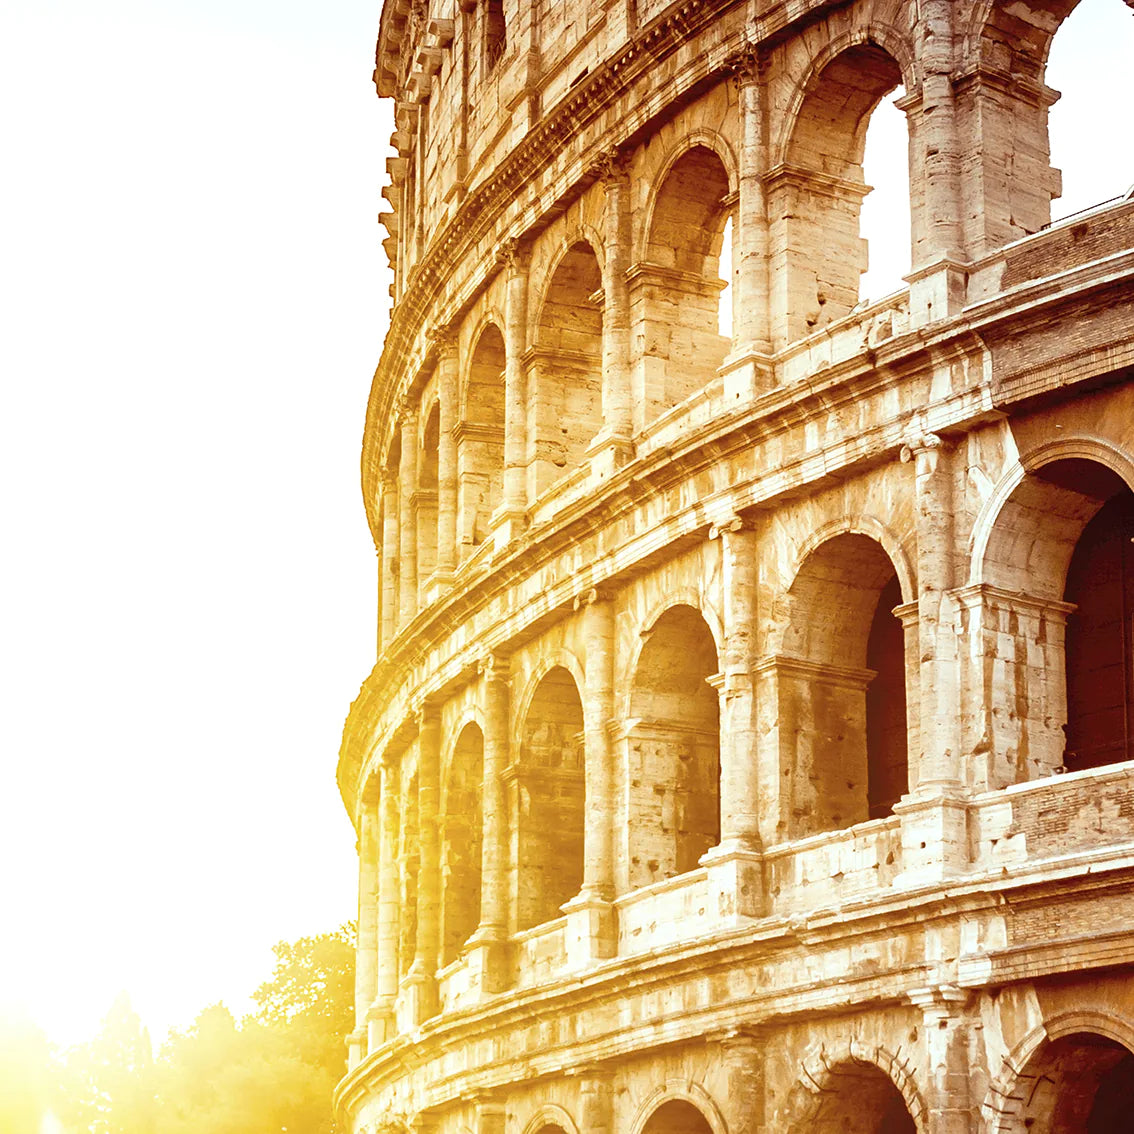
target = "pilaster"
x: 510, y: 518
x: 390, y: 546
x: 421, y: 982
x: 591, y: 929
x: 366, y: 935
x: 487, y: 949
x: 444, y: 340
x: 946, y: 1034
x: 407, y: 542
x: 380, y: 1017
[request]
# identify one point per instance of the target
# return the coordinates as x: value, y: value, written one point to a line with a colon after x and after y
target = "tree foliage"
x: 273, y: 1071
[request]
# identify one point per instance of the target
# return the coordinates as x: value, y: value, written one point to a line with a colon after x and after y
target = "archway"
x: 856, y: 1097
x: 461, y: 842
x: 674, y: 748
x: 1059, y: 585
x: 480, y: 442
x: 840, y: 689
x: 565, y: 369
x: 677, y: 1116
x: 548, y: 798
x: 816, y: 199
x: 408, y: 861
x: 675, y: 292
x: 1080, y: 1083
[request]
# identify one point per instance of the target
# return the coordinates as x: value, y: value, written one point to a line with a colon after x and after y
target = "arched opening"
x: 856, y: 1098
x: 677, y: 1117
x: 1016, y: 179
x: 480, y: 441
x: 1089, y: 63
x: 495, y: 33
x: 565, y: 369
x: 427, y: 496
x: 840, y: 690
x: 675, y: 295
x: 1078, y: 1084
x: 816, y: 198
x: 547, y: 801
x: 461, y: 841
x: 1100, y: 667
x: 408, y: 861
x: 728, y: 292
x: 674, y: 749
x: 1062, y: 537
x: 884, y: 222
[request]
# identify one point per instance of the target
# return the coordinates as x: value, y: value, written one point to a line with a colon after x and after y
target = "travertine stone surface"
x: 748, y: 748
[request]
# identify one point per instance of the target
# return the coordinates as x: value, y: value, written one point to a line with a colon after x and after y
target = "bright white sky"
x: 193, y: 298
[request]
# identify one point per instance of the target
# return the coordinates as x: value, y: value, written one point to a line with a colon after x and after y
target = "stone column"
x: 366, y: 936
x: 591, y: 930
x: 445, y: 340
x: 934, y: 820
x: 421, y: 982
x: 742, y: 1053
x: 380, y: 1018
x: 407, y: 486
x: 390, y: 540
x: 751, y: 332
x: 937, y: 281
x: 509, y: 519
x: 487, y: 951
x: 950, y: 1108
x: 614, y: 439
x: 735, y: 865
x: 596, y: 1100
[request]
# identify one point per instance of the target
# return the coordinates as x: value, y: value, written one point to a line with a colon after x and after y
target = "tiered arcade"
x: 749, y: 749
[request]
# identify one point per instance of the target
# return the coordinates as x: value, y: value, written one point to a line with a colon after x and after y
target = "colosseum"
x: 749, y: 746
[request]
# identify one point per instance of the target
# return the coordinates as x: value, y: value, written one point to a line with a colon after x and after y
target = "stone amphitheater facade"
x: 748, y: 746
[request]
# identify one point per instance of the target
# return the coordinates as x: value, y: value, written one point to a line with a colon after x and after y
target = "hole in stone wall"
x: 884, y: 222
x: 1089, y: 63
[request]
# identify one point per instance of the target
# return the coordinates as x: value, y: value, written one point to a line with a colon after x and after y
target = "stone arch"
x: 839, y: 679
x: 564, y: 367
x: 1053, y: 579
x: 461, y: 839
x: 675, y: 288
x: 547, y: 799
x: 551, y: 659
x: 480, y: 437
x: 872, y: 528
x: 1072, y: 1075
x: 690, y: 1100
x: 550, y: 1117
x: 854, y: 1089
x: 673, y: 747
x: 816, y: 193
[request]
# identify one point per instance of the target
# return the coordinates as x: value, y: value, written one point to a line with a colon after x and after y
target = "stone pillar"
x: 742, y: 1053
x: 950, y: 1108
x: 445, y: 341
x: 510, y: 519
x: 366, y: 936
x: 491, y: 1114
x: 614, y: 439
x: 421, y: 983
x: 380, y: 1018
x: 596, y: 1100
x: 390, y: 540
x: 938, y: 280
x: 748, y: 363
x: 934, y: 815
x: 407, y: 487
x: 735, y: 865
x: 487, y: 948
x: 591, y: 929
